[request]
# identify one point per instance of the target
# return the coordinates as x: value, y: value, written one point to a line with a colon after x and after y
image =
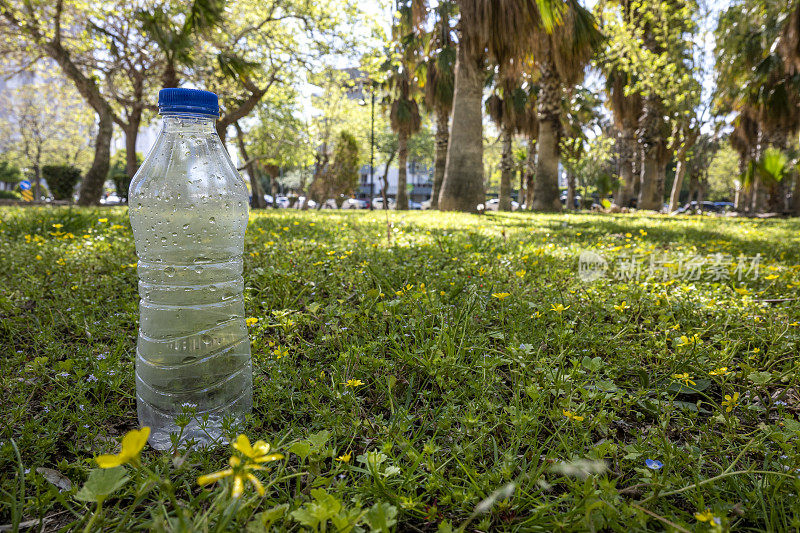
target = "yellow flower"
x: 572, y: 416
x: 558, y: 308
x: 257, y: 453
x: 38, y: 257
x: 730, y: 402
x: 722, y: 371
x: 621, y: 307
x: 239, y: 472
x: 102, y: 220
x: 132, y: 444
x: 687, y: 380
x: 706, y: 516
x: 353, y: 383
x: 344, y: 458
x: 280, y: 353
x: 58, y: 226
x: 520, y: 273
x: 501, y: 295
x: 771, y: 277
x: 744, y: 291
x: 251, y: 320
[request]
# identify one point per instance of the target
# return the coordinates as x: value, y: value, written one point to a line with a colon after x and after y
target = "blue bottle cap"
x: 191, y: 101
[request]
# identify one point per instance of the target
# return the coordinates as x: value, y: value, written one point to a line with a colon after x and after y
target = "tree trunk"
x: 131, y: 134
x: 385, y: 180
x: 257, y: 191
x: 402, y: 178
x: 530, y: 173
x: 651, y: 142
x: 92, y: 184
x: 627, y: 150
x: 694, y: 183
x: 169, y: 79
x: 442, y: 137
x: 796, y: 196
x: 571, y: 191
x: 462, y: 186
x: 677, y: 185
x: 546, y: 195
x: 506, y: 171
x: 757, y: 196
x: 37, y: 182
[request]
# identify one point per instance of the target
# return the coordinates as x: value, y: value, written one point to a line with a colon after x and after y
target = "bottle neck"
x: 188, y: 123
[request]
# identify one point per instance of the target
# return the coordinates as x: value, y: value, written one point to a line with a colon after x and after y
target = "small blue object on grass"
x: 653, y: 464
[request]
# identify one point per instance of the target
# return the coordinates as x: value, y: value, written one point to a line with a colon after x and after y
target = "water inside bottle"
x: 188, y: 209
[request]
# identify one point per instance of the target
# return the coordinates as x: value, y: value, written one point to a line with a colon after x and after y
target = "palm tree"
x: 507, y: 109
x: 405, y: 120
x: 501, y: 31
x: 626, y: 110
x: 562, y: 57
x: 789, y: 50
x: 404, y: 116
x: 762, y: 86
x: 580, y: 113
x: 439, y: 78
x: 176, y: 41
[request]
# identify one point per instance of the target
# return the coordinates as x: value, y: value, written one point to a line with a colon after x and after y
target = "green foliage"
x: 102, y: 483
x: 340, y: 177
x: 10, y: 195
x: 9, y: 172
x: 773, y: 166
x: 117, y: 172
x: 61, y: 180
x: 723, y: 173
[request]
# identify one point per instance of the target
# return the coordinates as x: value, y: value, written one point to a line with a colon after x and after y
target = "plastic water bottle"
x: 188, y: 208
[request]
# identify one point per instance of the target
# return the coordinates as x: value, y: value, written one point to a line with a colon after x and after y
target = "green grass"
x: 460, y: 419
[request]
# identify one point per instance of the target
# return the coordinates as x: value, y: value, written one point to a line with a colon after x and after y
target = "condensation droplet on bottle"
x: 163, y: 240
x: 211, y: 220
x: 169, y: 271
x: 186, y: 226
x: 206, y: 338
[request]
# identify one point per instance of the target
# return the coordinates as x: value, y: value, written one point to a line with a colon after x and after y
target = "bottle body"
x: 188, y: 209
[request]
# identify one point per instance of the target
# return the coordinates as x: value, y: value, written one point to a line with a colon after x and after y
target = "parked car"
x: 355, y: 203
x: 281, y: 202
x: 111, y: 199
x: 414, y: 205
x: 494, y: 204
x: 576, y: 200
x: 378, y: 203
x: 711, y: 207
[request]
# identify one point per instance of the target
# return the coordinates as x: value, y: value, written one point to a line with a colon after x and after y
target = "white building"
x: 419, y: 181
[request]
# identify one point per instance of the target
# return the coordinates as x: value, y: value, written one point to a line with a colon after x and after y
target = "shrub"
x: 61, y: 180
x: 10, y: 195
x: 9, y: 173
x: 118, y: 175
